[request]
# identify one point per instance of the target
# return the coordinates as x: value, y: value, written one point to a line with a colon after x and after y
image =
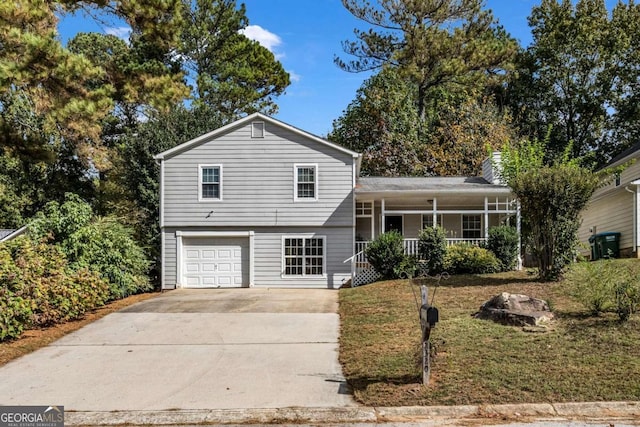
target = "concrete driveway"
x: 192, y: 349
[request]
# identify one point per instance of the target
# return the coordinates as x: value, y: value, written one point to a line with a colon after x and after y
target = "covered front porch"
x: 465, y: 207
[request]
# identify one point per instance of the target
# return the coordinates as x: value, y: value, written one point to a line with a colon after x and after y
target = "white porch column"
x: 486, y: 217
x: 435, y: 212
x: 636, y: 219
x: 383, y: 215
x: 519, y: 229
x: 373, y: 220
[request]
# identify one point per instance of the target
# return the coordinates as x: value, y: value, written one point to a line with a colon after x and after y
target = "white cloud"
x: 294, y: 77
x: 262, y: 36
x: 120, y: 32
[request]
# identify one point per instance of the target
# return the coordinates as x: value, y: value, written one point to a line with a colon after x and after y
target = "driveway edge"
x: 580, y: 411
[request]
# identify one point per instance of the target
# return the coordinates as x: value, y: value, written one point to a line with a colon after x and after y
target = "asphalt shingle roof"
x: 435, y: 183
x: 4, y: 232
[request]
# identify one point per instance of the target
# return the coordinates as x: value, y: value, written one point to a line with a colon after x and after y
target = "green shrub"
x: 627, y: 299
x: 503, y: 242
x: 102, y: 245
x: 469, y: 259
x: 407, y: 268
x: 58, y: 222
x: 108, y: 248
x: 39, y: 289
x: 432, y: 247
x: 385, y: 253
x: 592, y: 284
x: 15, y: 314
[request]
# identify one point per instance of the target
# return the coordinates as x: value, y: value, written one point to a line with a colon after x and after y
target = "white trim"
x: 202, y: 199
x: 636, y: 219
x: 253, y: 134
x: 354, y: 221
x: 215, y: 233
x: 243, y: 121
x: 316, y: 173
x: 303, y: 275
x: 163, y: 274
x: 485, y: 229
x: 180, y: 246
x: 448, y: 212
x: 161, y: 194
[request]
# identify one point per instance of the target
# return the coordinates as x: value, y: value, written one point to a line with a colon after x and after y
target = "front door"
x: 393, y: 223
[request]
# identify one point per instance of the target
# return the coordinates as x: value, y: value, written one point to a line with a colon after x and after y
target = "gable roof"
x: 624, y: 156
x: 431, y: 184
x: 7, y: 234
x: 241, y: 122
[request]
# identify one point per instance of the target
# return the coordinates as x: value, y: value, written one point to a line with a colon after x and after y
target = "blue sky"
x: 305, y: 35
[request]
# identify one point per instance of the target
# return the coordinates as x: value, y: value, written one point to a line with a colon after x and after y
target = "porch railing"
x: 410, y: 248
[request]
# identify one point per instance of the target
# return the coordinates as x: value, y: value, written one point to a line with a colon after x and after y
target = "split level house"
x: 615, y: 208
x: 261, y: 203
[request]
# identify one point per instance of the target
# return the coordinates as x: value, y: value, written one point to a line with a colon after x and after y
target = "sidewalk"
x: 426, y: 415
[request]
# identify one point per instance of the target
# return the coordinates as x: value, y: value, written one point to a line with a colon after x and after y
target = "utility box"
x: 605, y: 245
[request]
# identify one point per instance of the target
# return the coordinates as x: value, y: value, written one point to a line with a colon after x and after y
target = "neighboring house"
x: 261, y: 203
x: 7, y: 234
x: 615, y: 207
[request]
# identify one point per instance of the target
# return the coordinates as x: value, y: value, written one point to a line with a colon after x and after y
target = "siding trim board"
x: 316, y: 172
x: 200, y: 183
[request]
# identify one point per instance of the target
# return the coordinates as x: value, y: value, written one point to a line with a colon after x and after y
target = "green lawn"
x: 580, y: 358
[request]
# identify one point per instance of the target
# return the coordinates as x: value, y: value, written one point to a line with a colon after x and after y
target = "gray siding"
x: 268, y: 255
x: 258, y: 182
x: 169, y: 260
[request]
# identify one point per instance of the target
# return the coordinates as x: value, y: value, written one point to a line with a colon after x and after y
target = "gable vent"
x: 257, y: 130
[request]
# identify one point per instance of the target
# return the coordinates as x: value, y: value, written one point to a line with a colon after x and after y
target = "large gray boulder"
x: 515, y: 310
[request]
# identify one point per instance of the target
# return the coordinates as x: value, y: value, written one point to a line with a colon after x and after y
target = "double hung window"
x: 303, y: 256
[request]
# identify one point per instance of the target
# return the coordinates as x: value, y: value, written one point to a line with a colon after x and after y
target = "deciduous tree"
x: 579, y: 78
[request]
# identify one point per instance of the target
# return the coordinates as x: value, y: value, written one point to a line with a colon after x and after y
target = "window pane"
x: 210, y: 191
x: 471, y: 226
x: 303, y: 256
x: 306, y: 190
x: 306, y: 174
x: 306, y: 182
x: 210, y: 175
x: 210, y: 182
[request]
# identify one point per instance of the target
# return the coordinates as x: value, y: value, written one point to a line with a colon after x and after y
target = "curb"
x: 581, y: 411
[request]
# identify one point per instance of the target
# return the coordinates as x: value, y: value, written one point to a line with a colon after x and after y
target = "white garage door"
x: 212, y: 263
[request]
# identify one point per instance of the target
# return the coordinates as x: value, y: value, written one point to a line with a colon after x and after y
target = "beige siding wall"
x: 613, y: 212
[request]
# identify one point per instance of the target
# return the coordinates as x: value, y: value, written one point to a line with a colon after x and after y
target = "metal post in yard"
x: 426, y: 330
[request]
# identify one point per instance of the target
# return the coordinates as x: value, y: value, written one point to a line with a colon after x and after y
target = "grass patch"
x: 33, y: 339
x: 581, y: 358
